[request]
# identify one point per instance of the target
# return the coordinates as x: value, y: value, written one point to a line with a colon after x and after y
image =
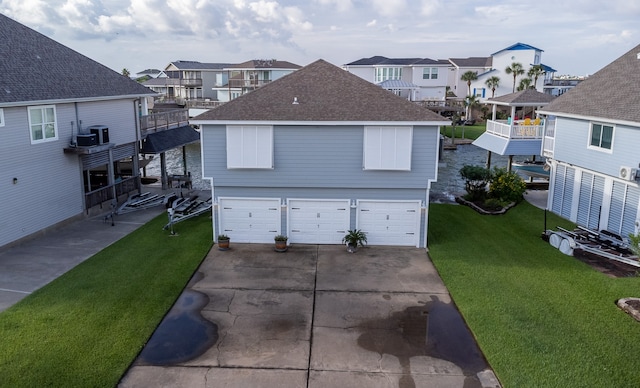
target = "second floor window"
x: 388, y: 73
x: 430, y: 73
x: 42, y: 123
x: 601, y: 136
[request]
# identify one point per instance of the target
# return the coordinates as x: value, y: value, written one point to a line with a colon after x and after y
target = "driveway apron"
x: 314, y: 316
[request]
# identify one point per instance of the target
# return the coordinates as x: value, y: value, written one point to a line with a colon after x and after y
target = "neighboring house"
x: 319, y: 152
x: 592, y: 143
x: 478, y: 65
x: 55, y: 104
x: 190, y: 80
x: 415, y: 79
x: 150, y: 73
x: 245, y: 77
x: 524, y: 54
x: 562, y: 84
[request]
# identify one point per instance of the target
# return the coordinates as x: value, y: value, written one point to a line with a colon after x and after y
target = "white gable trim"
x: 322, y: 123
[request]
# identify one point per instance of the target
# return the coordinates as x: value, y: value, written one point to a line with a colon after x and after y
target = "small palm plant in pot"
x: 223, y: 242
x: 354, y: 238
x: 281, y: 242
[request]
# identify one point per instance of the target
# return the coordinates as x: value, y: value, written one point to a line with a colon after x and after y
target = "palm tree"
x: 126, y: 72
x: 493, y: 83
x: 469, y: 76
x: 535, y: 72
x: 525, y: 83
x: 470, y: 102
x: 516, y: 69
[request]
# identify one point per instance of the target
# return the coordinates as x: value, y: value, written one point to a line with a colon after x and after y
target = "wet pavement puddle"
x: 435, y: 329
x: 183, y: 334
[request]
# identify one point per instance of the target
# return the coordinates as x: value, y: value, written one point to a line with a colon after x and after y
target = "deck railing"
x: 105, y: 193
x: 549, y: 139
x: 515, y: 130
x: 158, y: 122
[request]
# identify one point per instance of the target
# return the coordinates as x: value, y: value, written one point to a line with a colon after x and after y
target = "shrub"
x: 492, y: 204
x: 634, y: 243
x: 506, y: 186
x: 476, y: 180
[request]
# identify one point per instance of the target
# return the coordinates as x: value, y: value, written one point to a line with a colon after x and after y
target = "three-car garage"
x: 320, y: 221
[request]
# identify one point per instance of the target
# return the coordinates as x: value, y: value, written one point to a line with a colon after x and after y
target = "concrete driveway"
x: 314, y: 316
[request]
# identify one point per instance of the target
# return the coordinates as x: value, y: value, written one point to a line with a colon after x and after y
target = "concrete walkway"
x: 314, y: 316
x: 37, y: 261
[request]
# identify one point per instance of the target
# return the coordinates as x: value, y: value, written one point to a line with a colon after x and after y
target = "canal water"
x: 449, y: 182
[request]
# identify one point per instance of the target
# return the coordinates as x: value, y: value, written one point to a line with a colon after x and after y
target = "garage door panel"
x: 250, y: 220
x: 390, y: 222
x: 318, y: 222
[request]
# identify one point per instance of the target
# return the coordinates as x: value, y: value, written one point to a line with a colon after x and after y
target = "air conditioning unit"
x: 627, y: 173
x: 101, y: 132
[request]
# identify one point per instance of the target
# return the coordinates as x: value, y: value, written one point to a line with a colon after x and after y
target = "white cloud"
x: 340, y: 5
x: 372, y: 23
x: 430, y: 7
x: 389, y: 8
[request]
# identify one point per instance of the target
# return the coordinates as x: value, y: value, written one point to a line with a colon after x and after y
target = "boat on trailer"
x: 141, y: 201
x: 180, y: 209
x: 533, y: 168
x: 592, y: 244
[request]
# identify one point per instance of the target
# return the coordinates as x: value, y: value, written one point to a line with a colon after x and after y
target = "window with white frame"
x: 1, y: 117
x: 601, y: 136
x: 387, y: 148
x: 430, y: 73
x: 249, y: 146
x: 388, y: 73
x: 42, y: 123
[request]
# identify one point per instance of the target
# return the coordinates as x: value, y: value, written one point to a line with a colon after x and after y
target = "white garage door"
x: 318, y: 221
x: 390, y: 222
x: 250, y: 220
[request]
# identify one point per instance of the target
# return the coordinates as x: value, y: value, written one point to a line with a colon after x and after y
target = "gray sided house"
x: 316, y: 153
x: 592, y: 140
x: 65, y: 123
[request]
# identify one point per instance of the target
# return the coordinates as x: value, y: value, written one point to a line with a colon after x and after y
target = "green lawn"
x: 86, y: 327
x: 470, y: 131
x: 542, y: 319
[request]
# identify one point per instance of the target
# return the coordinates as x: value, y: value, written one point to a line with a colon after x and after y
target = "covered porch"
x: 520, y: 133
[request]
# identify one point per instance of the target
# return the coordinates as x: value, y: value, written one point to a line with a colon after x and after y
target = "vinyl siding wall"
x: 571, y: 146
x: 49, y: 185
x: 320, y: 157
x: 118, y: 115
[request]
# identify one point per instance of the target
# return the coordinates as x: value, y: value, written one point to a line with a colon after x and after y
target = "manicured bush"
x: 506, y: 186
x: 476, y: 180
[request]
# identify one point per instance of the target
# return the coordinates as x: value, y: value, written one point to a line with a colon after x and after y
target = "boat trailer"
x: 587, y: 242
x: 180, y: 209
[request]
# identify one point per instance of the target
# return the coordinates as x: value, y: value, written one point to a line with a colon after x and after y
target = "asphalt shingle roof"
x: 36, y: 68
x: 324, y: 92
x: 264, y: 64
x: 525, y: 97
x: 472, y: 61
x: 195, y: 65
x: 611, y: 93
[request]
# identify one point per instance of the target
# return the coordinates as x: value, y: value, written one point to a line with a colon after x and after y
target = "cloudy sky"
x: 578, y: 36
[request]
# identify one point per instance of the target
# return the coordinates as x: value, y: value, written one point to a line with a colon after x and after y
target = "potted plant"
x: 354, y: 238
x: 281, y: 242
x: 223, y: 242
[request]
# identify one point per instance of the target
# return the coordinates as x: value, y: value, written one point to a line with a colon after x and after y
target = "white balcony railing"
x: 515, y: 130
x: 549, y: 139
